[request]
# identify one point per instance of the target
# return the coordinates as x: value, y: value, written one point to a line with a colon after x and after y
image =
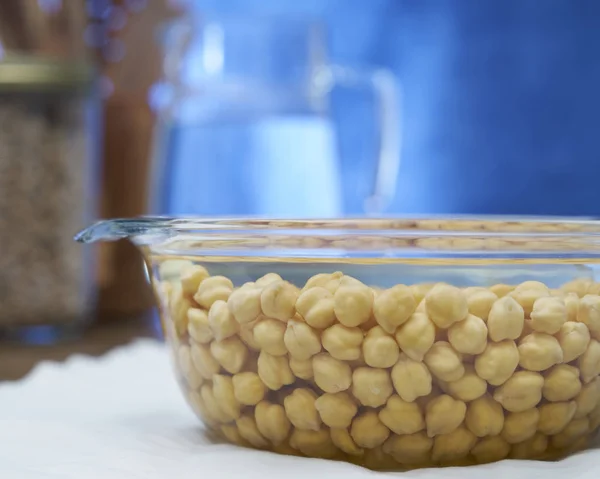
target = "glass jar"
x: 392, y: 343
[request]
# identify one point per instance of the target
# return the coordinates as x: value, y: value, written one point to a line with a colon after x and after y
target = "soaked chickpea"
x: 393, y: 307
x: 573, y: 431
x: 353, y: 303
x: 313, y: 443
x: 301, y: 340
x: 342, y: 342
x: 444, y: 414
x: 267, y: 279
x: 522, y: 391
x: 467, y: 388
x: 589, y: 314
x: 480, y: 301
x: 244, y: 303
x: 212, y: 405
x: 444, y: 362
x: 342, y: 439
x: 191, y: 375
x: 519, y: 426
x: 454, y: 445
x: 336, y: 410
x: 178, y: 308
x: 249, y: 431
x: 330, y: 374
x: 539, y: 351
x: 380, y: 350
x: 246, y: 334
x: 468, y: 336
x: 528, y: 292
x: 198, y: 326
x: 329, y: 281
x: 555, y: 416
x: 203, y: 361
x: 302, y: 368
x: 316, y: 305
x: 224, y: 395
x: 561, y: 383
x: 402, y: 417
x: 271, y: 421
x: 368, y: 431
x: 300, y: 409
x: 484, y: 417
x: 222, y: 323
x: 212, y: 289
x: 416, y: 336
x: 248, y: 389
x: 506, y: 319
x: 274, y: 371
x: 191, y: 277
x: 574, y: 339
x: 588, y: 398
x: 372, y: 387
x: 589, y: 362
x: 278, y: 300
x: 490, y: 449
x: 232, y: 434
x: 409, y: 449
x: 531, y: 448
x: 411, y: 379
x: 446, y: 305
x: 269, y: 335
x: 230, y: 353
x: 420, y: 290
x: 548, y: 315
x: 502, y: 290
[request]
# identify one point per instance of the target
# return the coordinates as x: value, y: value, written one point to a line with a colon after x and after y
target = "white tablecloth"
x: 122, y: 417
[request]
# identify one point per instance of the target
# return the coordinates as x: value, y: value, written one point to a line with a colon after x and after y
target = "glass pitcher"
x: 245, y: 124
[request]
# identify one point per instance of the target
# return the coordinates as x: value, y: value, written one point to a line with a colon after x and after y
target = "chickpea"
x: 572, y: 304
x: 225, y: 397
x: 589, y: 362
x: 531, y: 448
x: 249, y: 431
x: 244, y: 304
x: 578, y: 287
x: 444, y: 362
x: 231, y: 354
x: 193, y: 378
x: 198, y: 326
x: 506, y: 319
x: 521, y: 392
x: 548, y: 315
x: 342, y: 343
x: 520, y: 426
x: 267, y: 279
x: 416, y: 336
x: 528, y: 292
x: 411, y: 378
x: 232, y: 434
x: 393, y: 307
x: 330, y: 374
x: 588, y: 398
x: 539, y: 351
x: 353, y: 303
x: 222, y: 323
x: 380, y: 350
x: 342, y: 439
x: 336, y: 410
x: 484, y: 417
x: 197, y: 403
x: 212, y: 289
x: 301, y: 340
x: 278, y: 300
x: 573, y: 431
x: 555, y: 416
x: 453, y: 445
x: 213, y: 408
x: 480, y: 301
x: 502, y: 290
x: 316, y: 305
x: 302, y: 368
x: 313, y: 443
x: 372, y: 387
x: 329, y: 281
x: 268, y: 334
x: 446, y: 305
x: 467, y: 388
x: 498, y: 362
x: 589, y: 314
x: 420, y: 290
x: 178, y: 308
x: 248, y: 389
x: 444, y: 414
x: 468, y: 336
x: 402, y: 417
x: 377, y: 459
x: 274, y: 371
x: 202, y: 360
x: 411, y: 449
x: 246, y: 334
x: 490, y: 449
x: 562, y: 383
x: 191, y: 277
x: 368, y: 431
x: 271, y: 421
x: 301, y: 411
x: 574, y: 339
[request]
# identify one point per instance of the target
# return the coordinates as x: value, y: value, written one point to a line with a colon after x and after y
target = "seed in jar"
x: 574, y: 339
x: 480, y: 301
x: 420, y: 290
x: 501, y: 290
x: 246, y: 334
x: 539, y: 351
x: 446, y: 305
x: 522, y: 391
x: 329, y: 281
x: 353, y: 303
x: 213, y: 289
x: 484, y: 417
x: 274, y: 371
x: 467, y: 388
x: 416, y: 336
x: 301, y: 411
x: 402, y: 417
x: 588, y: 398
x: 188, y: 370
x: 572, y: 304
x: 268, y: 334
x: 410, y: 449
x: 336, y: 410
x: 230, y: 353
x: 444, y: 362
x: 342, y: 439
x: 453, y: 445
x: 198, y: 326
x: 548, y: 315
x: 342, y: 342
x: 267, y: 279
x: 468, y: 336
x: 411, y: 378
x: 555, y: 416
x: 191, y: 277
x: 520, y: 426
x: 380, y: 350
x: 531, y: 448
x: 302, y: 368
x: 301, y: 340
x: 444, y: 414
x: 490, y: 449
x: 330, y: 374
x: 249, y: 431
x: 372, y: 387
x: 278, y: 300
x: 578, y: 286
x: 506, y: 319
x: 313, y: 443
x: 225, y: 397
x: 573, y: 431
x: 589, y: 314
x: 179, y: 306
x: 248, y: 389
x: 232, y: 434
x: 244, y: 304
x: 392, y: 307
x: 498, y: 362
x: 528, y: 292
x: 271, y: 421
x: 368, y: 431
x: 213, y: 407
x: 203, y: 361
x: 197, y: 403
x: 221, y: 321
x: 589, y: 362
x: 316, y: 305
x: 561, y: 383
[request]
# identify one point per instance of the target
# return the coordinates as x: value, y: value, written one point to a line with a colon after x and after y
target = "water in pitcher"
x: 266, y: 166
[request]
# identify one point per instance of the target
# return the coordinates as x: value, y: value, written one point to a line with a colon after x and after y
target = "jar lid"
x: 23, y: 73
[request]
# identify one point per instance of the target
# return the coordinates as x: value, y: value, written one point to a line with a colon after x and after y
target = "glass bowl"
x: 389, y: 343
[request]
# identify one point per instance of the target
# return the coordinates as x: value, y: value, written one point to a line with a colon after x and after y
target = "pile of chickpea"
x: 409, y: 376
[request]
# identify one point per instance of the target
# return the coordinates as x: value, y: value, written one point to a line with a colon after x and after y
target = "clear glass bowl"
x: 389, y: 343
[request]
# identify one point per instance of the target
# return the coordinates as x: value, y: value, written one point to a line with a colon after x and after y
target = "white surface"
x: 122, y: 417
